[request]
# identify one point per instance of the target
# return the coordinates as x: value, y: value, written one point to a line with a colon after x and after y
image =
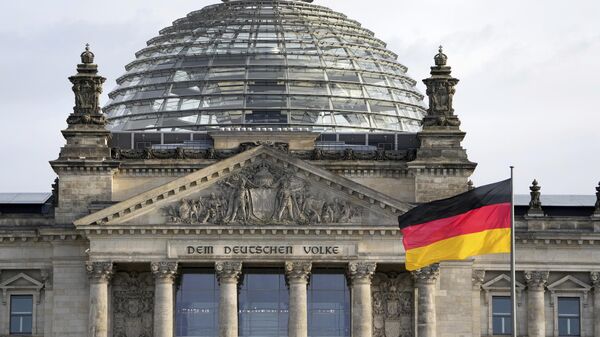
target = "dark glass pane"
x: 501, y: 305
x: 121, y: 140
x: 197, y: 304
x: 328, y: 304
x: 563, y: 326
x: 568, y: 306
x: 353, y: 139
x: 21, y: 304
x: 263, y: 304
x: 267, y: 117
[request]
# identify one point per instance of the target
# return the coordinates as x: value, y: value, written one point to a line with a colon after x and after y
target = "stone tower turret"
x: 84, y: 165
x: 441, y: 168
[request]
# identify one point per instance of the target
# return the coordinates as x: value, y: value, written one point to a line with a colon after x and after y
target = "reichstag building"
x: 245, y: 179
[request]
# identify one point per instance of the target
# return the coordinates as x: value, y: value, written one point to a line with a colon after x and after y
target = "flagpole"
x: 513, y: 289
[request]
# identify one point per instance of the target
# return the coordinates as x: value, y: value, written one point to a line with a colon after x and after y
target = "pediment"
x: 21, y: 281
x: 569, y: 283
x: 501, y: 282
x: 261, y: 187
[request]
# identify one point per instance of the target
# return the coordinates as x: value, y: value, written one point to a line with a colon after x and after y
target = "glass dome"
x: 280, y: 64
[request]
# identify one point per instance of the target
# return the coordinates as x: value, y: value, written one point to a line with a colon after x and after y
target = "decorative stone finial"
x: 535, y: 204
x: 87, y: 57
x: 87, y: 87
x: 441, y: 59
x: 470, y: 185
x: 597, y: 207
x: 440, y: 90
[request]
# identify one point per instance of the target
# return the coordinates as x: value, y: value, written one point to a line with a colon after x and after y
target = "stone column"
x: 425, y: 279
x: 360, y: 275
x: 536, y: 318
x: 477, y: 278
x: 228, y: 273
x: 164, y: 275
x: 595, y: 276
x: 298, y: 274
x: 99, y: 274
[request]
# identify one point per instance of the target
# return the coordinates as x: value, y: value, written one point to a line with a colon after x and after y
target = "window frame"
x: 493, y: 315
x: 10, y: 314
x: 582, y: 300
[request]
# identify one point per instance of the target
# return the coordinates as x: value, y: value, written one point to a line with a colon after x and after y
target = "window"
x: 21, y: 314
x: 263, y: 304
x: 501, y: 315
x: 197, y: 304
x: 328, y: 304
x: 568, y: 316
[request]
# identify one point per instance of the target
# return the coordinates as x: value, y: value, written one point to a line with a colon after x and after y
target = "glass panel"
x: 219, y: 88
x: 568, y: 306
x: 263, y: 304
x: 267, y: 73
x: 306, y: 74
x: 349, y: 104
x: 346, y: 76
x: 220, y: 102
x: 272, y: 101
x: 311, y: 88
x: 266, y: 87
x: 266, y: 117
x: 197, y: 304
x: 307, y: 102
x: 328, y: 304
x: 383, y: 108
x: 344, y: 89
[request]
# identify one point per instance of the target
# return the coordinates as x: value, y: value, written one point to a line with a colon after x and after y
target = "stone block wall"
x: 454, y: 300
x: 78, y: 190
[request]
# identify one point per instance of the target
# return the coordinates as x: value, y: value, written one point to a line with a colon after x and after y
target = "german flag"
x: 477, y: 222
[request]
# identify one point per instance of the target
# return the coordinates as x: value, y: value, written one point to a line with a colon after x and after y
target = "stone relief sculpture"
x: 133, y: 300
x: 393, y: 305
x: 263, y: 194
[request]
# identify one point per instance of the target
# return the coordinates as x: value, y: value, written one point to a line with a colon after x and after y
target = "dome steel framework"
x: 265, y: 64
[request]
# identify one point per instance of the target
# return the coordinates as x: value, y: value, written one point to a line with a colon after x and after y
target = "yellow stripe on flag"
x: 459, y: 248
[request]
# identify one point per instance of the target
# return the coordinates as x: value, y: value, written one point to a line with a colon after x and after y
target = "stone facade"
x: 105, y: 263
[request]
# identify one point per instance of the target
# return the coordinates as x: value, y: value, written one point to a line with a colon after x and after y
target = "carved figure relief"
x: 133, y: 300
x: 262, y: 194
x: 393, y: 305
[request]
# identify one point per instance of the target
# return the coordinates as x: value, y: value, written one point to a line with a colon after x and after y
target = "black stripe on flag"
x: 491, y: 194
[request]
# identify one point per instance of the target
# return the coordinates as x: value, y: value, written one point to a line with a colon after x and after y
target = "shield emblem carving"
x: 263, y: 203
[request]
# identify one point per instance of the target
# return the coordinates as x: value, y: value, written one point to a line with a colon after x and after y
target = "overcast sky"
x: 529, y: 93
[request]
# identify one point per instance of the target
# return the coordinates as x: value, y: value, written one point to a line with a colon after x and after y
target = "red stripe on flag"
x: 474, y: 221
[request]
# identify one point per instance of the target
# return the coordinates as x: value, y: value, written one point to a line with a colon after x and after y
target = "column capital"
x: 359, y: 271
x: 228, y: 270
x: 477, y: 278
x: 164, y: 270
x: 99, y: 271
x: 536, y: 279
x: 426, y: 275
x: 297, y: 270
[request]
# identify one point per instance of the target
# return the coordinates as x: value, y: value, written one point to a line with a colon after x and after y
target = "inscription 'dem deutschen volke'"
x: 265, y: 250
